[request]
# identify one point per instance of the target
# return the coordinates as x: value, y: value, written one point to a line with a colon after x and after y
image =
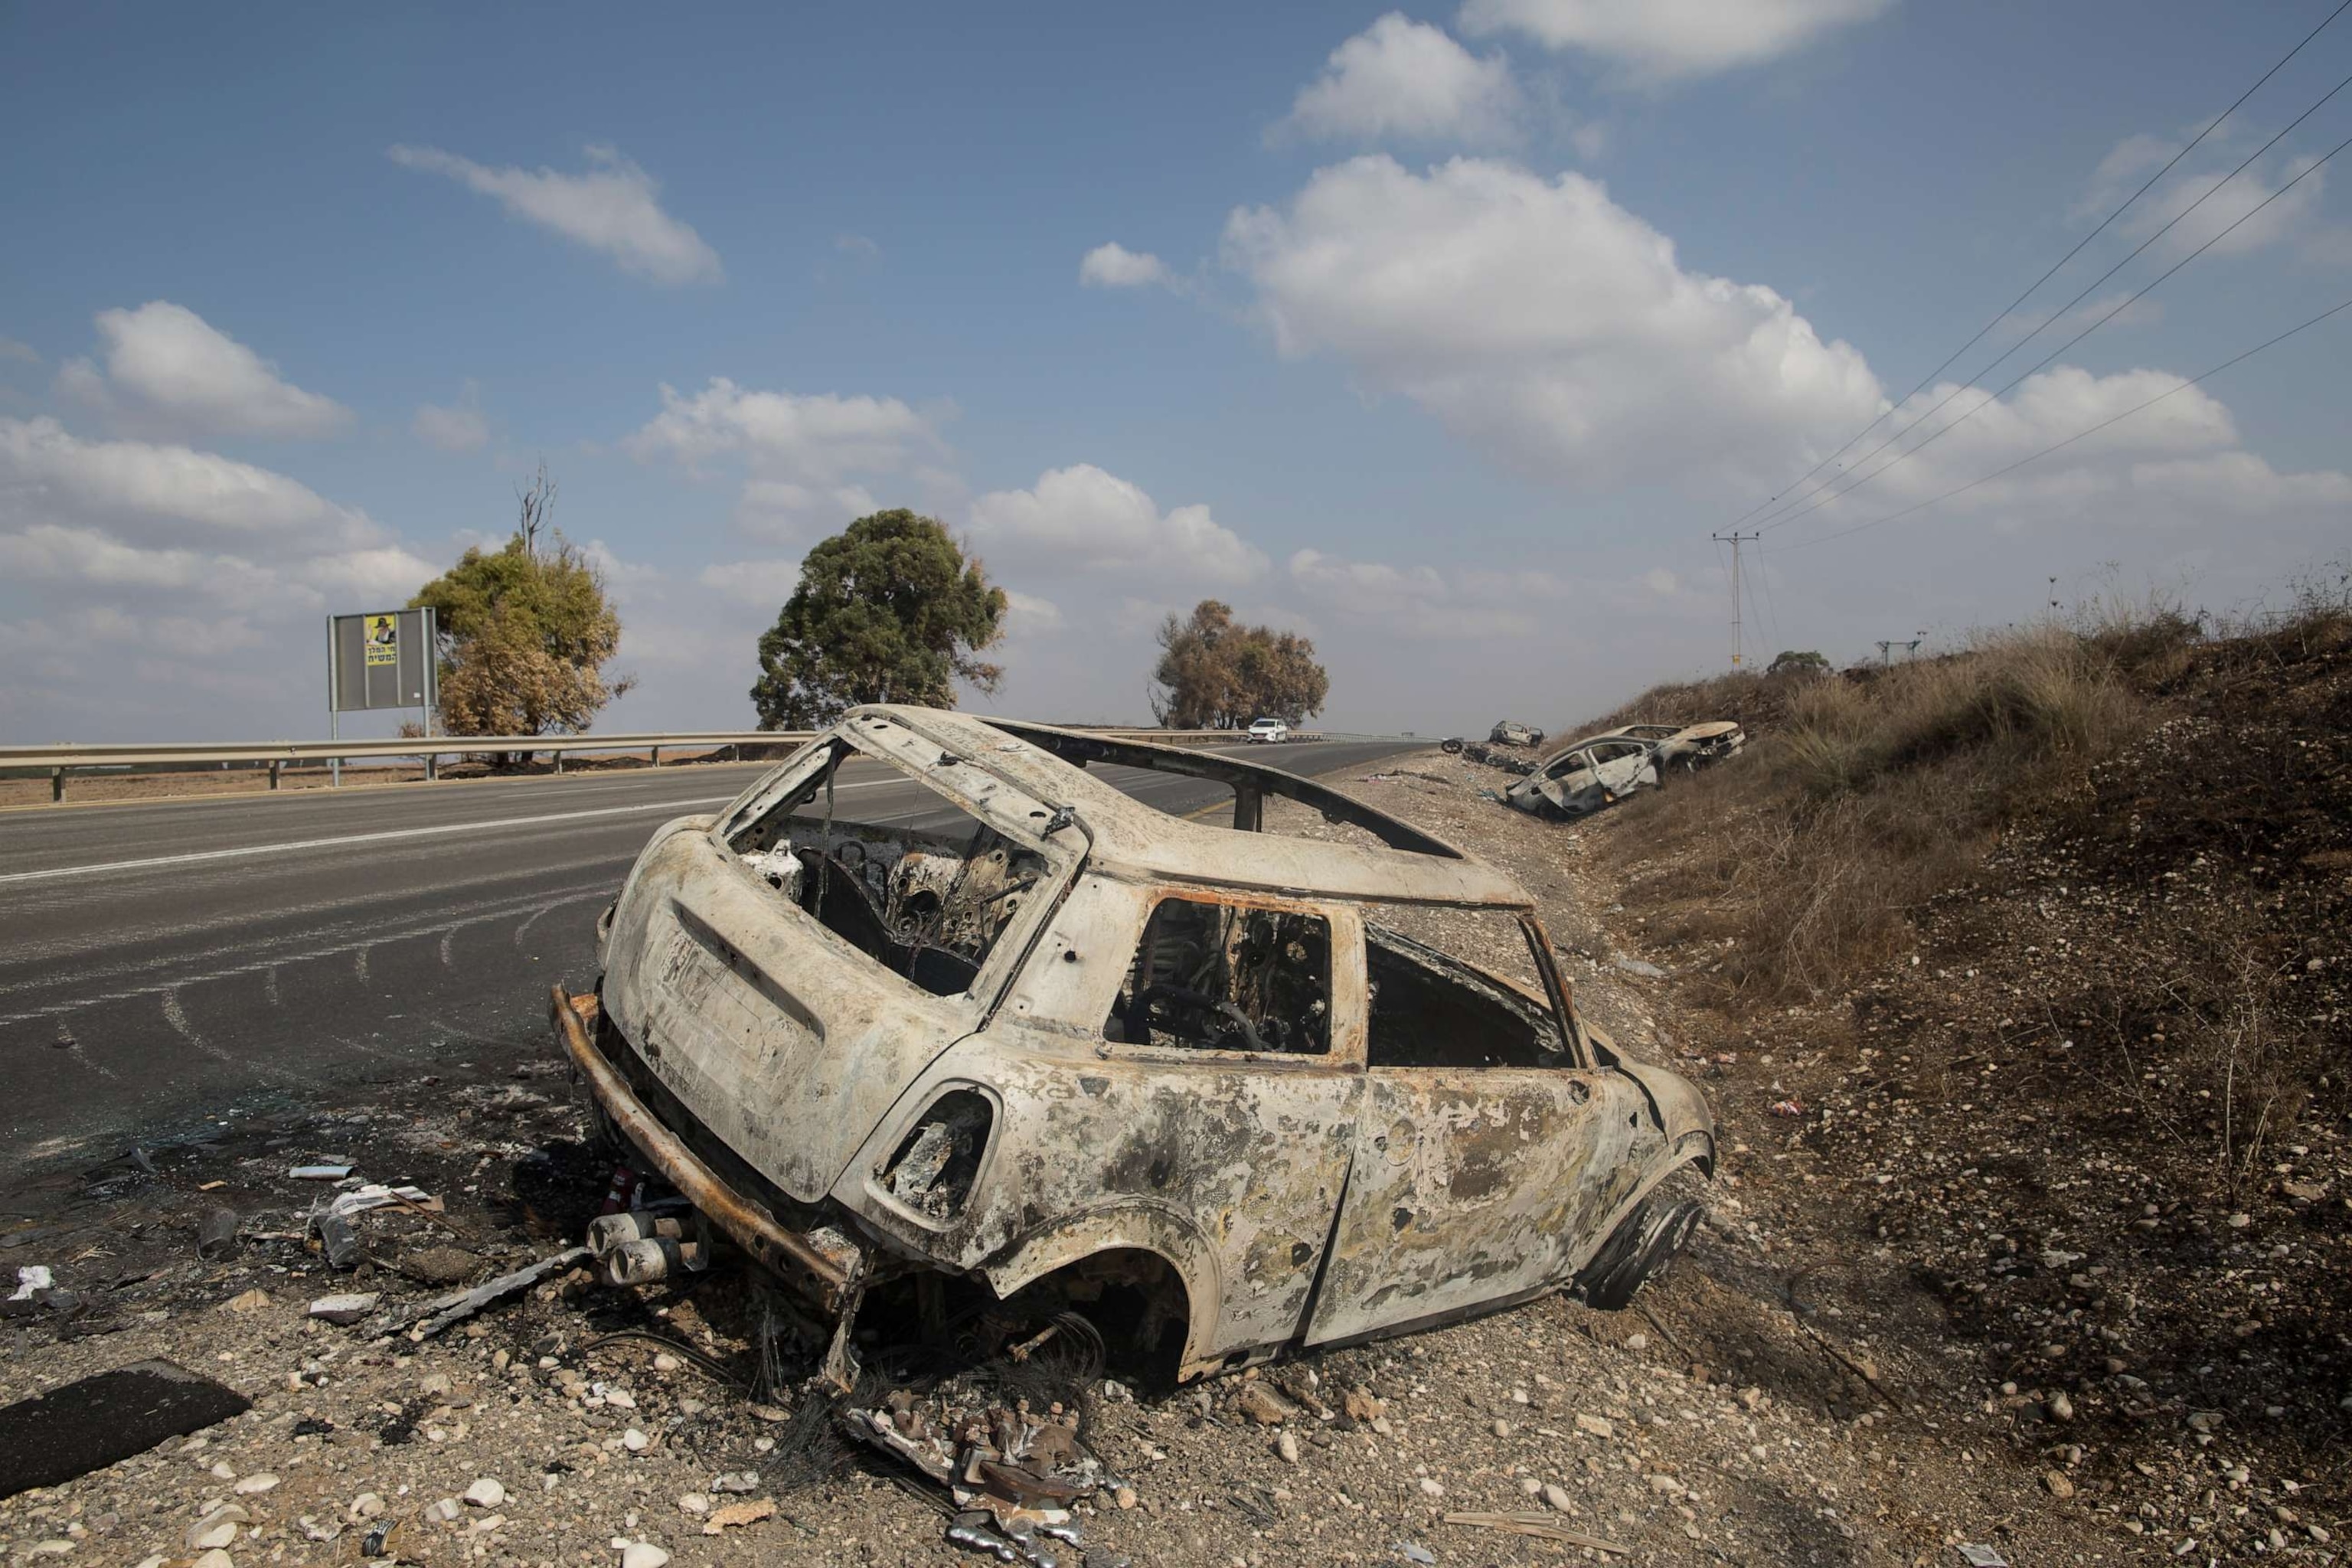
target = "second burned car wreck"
x: 1034, y: 1047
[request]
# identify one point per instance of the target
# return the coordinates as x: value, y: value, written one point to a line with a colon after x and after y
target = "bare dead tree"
x: 537, y: 504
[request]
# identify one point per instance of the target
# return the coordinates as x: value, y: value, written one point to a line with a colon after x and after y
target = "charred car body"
x: 1599, y: 771
x: 1511, y: 732
x: 1041, y: 1040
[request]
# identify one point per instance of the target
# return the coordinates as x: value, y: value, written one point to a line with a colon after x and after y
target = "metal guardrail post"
x: 432, y: 766
x: 57, y: 786
x: 655, y: 759
x: 274, y: 766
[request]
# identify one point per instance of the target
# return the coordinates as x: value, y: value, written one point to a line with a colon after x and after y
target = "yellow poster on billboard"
x: 382, y: 641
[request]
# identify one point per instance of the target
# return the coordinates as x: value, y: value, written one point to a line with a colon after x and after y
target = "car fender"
x: 1124, y: 1228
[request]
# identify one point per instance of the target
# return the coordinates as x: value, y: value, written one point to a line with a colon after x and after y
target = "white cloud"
x: 1545, y: 323
x: 614, y: 207
x: 1656, y: 40
x: 763, y: 583
x: 815, y: 438
x: 169, y: 372
x: 1083, y: 518
x: 1425, y: 603
x: 2132, y: 160
x: 1029, y: 616
x: 1403, y: 78
x: 161, y: 490
x: 459, y: 426
x: 1113, y: 265
x: 10, y: 348
x: 778, y: 510
x: 858, y: 245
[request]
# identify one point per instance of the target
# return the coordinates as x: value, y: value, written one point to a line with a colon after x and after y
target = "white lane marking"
x: 385, y: 836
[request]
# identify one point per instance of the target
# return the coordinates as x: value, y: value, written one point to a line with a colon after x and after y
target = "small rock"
x: 364, y: 1507
x: 348, y: 1308
x: 251, y: 1300
x: 501, y: 1361
x: 1530, y: 1486
x: 1664, y: 1485
x: 488, y: 1523
x: 619, y: 1398
x: 441, y: 1266
x: 1754, y: 1399
x: 1263, y: 1405
x: 644, y: 1554
x: 255, y: 1483
x: 736, y: 1481
x: 215, y: 1558
x: 2056, y: 1483
x: 2061, y: 1409
x: 1637, y: 1342
x: 738, y: 1513
x: 1596, y: 1425
x: 447, y: 1508
x: 694, y: 1503
x: 433, y: 1384
x: 2241, y: 1221
x: 665, y: 1361
x: 1124, y: 1496
x: 1286, y: 1446
x: 1361, y: 1404
x: 1502, y: 1428
x: 635, y: 1442
x: 487, y: 1493
x: 1430, y: 1488
x: 1555, y: 1498
x: 223, y: 1471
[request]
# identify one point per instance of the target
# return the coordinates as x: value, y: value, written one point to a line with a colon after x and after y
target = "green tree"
x: 888, y: 610
x: 525, y: 631
x: 1214, y: 674
x: 1795, y: 661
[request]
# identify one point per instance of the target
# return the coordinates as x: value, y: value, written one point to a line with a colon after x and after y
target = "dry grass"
x: 1875, y: 790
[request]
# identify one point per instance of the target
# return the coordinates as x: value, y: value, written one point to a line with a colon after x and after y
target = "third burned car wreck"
x: 1042, y: 1049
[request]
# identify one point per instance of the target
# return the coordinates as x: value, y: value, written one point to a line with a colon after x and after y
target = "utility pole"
x: 1736, y: 539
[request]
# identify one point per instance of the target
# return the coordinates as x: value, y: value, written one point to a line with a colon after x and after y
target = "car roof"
x: 1130, y: 838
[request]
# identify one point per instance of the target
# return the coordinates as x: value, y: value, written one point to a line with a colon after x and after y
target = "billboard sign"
x: 382, y: 659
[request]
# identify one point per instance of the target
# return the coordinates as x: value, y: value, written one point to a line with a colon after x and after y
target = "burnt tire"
x: 1451, y: 747
x: 1644, y: 1242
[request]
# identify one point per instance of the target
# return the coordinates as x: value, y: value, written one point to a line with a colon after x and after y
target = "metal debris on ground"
x: 321, y: 1172
x: 216, y: 1236
x: 1977, y: 1556
x: 431, y: 1317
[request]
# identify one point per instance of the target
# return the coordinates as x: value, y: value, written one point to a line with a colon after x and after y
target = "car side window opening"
x: 1227, y: 977
x: 1432, y: 1009
x: 925, y: 895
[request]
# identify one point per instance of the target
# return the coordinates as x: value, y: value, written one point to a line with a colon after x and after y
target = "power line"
x: 2011, y: 385
x: 1796, y: 506
x: 2079, y: 434
x: 2004, y: 312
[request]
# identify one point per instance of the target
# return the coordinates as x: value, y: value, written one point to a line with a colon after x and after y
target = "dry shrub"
x: 1872, y: 795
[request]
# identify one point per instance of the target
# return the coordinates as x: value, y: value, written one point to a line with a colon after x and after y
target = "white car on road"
x: 1273, y: 732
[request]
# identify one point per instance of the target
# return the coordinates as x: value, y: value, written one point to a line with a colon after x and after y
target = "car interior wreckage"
x: 1038, y: 1045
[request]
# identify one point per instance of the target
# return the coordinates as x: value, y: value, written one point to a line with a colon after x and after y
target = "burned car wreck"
x: 1034, y: 1042
x: 1599, y: 771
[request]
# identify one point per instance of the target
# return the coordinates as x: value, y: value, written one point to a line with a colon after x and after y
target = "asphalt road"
x: 165, y: 964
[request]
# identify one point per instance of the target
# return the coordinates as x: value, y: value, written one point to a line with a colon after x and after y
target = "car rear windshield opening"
x: 924, y: 889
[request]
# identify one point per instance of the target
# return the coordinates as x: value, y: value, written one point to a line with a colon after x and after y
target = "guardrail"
x: 59, y: 760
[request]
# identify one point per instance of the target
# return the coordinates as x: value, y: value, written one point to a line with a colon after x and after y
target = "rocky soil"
x: 1802, y: 1388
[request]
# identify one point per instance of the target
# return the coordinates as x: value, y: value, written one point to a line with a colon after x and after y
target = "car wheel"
x: 1643, y: 1244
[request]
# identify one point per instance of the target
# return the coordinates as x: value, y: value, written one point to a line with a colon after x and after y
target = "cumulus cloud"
x: 1085, y: 519
x: 168, y: 371
x: 1543, y: 323
x: 614, y: 207
x: 147, y: 490
x: 1659, y: 40
x: 1407, y: 80
x: 459, y: 426
x: 2216, y: 205
x: 23, y: 353
x: 1029, y: 616
x: 764, y: 584
x: 1113, y: 265
x: 1427, y: 603
x: 819, y: 436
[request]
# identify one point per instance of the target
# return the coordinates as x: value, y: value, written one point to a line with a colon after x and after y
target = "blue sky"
x: 1444, y: 335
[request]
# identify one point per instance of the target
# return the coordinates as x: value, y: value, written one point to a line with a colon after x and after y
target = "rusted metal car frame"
x: 1010, y: 1072
x: 1587, y: 778
x: 1686, y: 746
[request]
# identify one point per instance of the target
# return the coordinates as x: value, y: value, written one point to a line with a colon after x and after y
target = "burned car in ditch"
x: 1586, y: 777
x: 1511, y: 732
x: 1686, y: 746
x: 934, y: 1008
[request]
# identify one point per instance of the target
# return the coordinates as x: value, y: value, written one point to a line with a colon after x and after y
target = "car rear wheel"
x: 1643, y: 1244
